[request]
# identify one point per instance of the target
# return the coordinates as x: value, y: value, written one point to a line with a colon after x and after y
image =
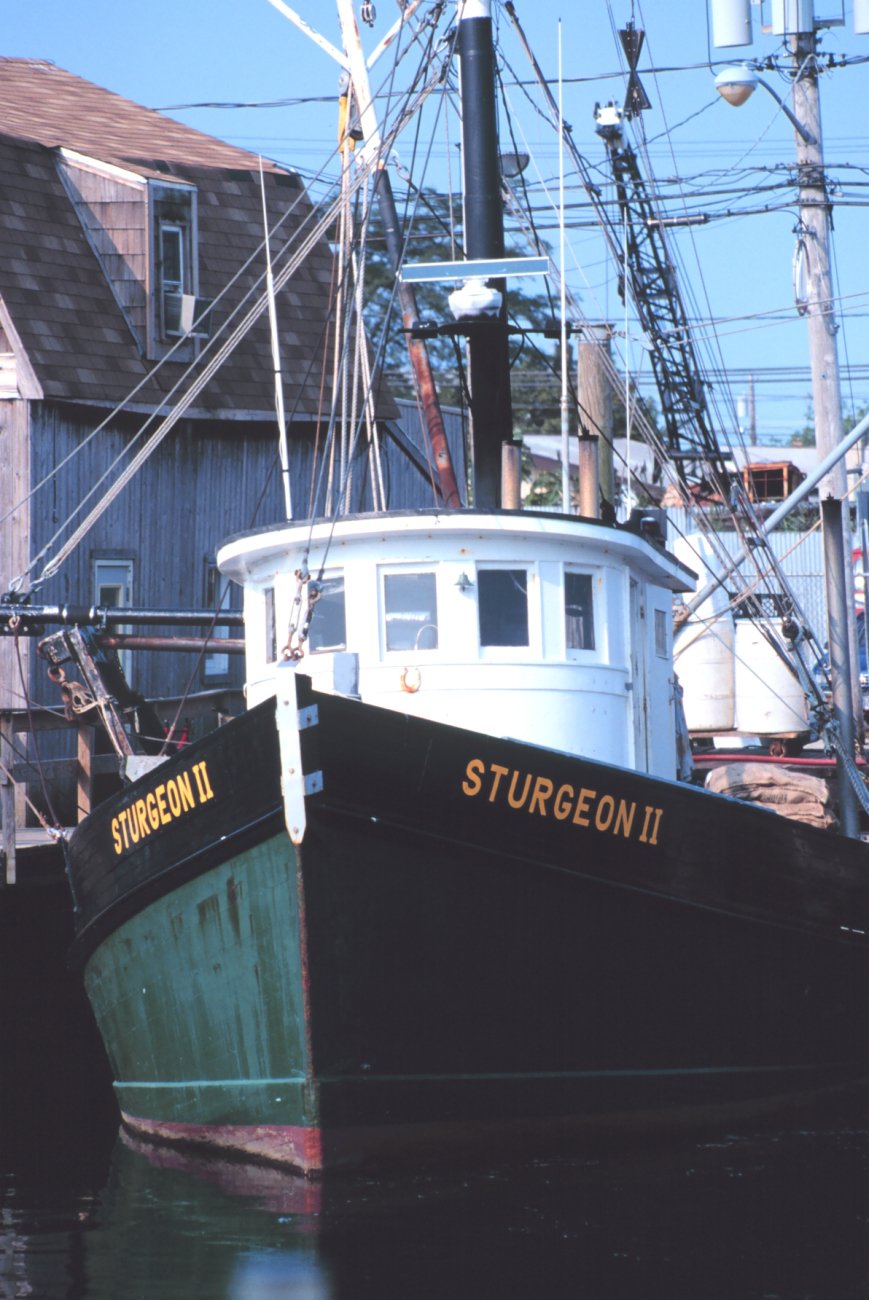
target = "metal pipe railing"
x: 103, y: 615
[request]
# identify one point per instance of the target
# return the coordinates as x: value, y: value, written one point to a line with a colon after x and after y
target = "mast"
x: 419, y: 358
x: 565, y: 419
x: 354, y: 62
x: 489, y: 367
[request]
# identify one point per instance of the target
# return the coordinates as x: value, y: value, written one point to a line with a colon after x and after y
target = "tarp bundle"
x: 793, y: 794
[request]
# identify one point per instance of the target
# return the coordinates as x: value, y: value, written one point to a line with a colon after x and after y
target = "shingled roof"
x: 76, y: 338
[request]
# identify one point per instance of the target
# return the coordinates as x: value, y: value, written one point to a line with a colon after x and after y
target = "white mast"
x: 565, y: 418
x: 276, y: 357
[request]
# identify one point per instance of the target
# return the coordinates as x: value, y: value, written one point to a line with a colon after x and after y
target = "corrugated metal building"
x: 801, y: 556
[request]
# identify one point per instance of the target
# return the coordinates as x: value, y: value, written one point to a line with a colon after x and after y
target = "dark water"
x: 773, y: 1214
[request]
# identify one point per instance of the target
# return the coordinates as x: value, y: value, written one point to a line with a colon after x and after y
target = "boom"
x: 690, y: 438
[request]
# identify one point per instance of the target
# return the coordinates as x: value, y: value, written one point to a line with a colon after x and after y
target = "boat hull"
x: 444, y: 963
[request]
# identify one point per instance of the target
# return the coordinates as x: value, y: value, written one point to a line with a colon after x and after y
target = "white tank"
x: 731, y: 23
x: 703, y: 648
x: 769, y: 700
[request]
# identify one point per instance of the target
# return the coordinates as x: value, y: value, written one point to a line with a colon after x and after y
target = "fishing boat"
x: 438, y: 887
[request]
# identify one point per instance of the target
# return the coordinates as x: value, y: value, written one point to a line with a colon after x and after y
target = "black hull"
x: 470, y: 968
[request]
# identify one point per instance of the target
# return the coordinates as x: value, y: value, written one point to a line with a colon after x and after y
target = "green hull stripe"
x: 572, y: 1074
x: 213, y: 1083
x: 456, y: 1078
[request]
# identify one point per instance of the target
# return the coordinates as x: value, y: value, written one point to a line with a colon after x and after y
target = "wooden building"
x: 117, y: 226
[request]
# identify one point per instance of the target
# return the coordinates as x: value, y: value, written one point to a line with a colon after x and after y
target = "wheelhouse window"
x: 578, y: 611
x: 410, y: 611
x: 503, y: 606
x: 328, y: 629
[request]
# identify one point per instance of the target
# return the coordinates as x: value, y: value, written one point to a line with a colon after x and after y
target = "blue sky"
x: 162, y: 53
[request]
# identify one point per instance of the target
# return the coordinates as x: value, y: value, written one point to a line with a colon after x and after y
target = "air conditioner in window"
x: 184, y: 313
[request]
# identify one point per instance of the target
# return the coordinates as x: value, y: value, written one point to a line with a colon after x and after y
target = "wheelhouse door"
x: 638, y: 693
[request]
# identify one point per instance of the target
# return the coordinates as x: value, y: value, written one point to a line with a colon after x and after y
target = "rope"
x: 171, y: 732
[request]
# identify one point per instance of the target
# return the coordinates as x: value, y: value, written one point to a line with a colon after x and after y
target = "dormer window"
x: 173, y: 258
x: 181, y: 310
x: 144, y: 234
x: 176, y: 263
x: 174, y: 307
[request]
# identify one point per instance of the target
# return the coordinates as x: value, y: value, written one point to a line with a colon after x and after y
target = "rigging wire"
x: 700, y: 518
x: 385, y: 328
x: 301, y: 199
x: 413, y: 101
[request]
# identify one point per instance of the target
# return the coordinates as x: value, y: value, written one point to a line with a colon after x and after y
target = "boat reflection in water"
x: 266, y: 1276
x: 172, y: 1225
x: 781, y: 1213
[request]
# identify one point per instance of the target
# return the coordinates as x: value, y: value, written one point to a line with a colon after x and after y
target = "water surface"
x: 773, y: 1214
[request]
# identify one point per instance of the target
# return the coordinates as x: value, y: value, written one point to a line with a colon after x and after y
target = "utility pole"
x: 489, y: 369
x: 752, y: 418
x: 795, y: 21
x: 814, y: 234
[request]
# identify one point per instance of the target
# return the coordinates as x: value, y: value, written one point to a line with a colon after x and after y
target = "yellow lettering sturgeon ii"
x: 616, y: 817
x: 160, y: 807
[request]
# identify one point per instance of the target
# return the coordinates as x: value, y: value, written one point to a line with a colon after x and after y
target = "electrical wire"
x: 299, y: 254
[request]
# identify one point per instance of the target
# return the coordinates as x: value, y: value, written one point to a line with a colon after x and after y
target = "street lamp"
x: 737, y: 83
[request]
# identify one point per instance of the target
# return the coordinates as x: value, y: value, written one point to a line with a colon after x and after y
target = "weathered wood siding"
x: 207, y: 481
x: 14, y: 532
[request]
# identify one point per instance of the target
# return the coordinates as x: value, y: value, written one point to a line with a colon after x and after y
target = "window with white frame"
x: 113, y: 589
x: 410, y: 605
x: 173, y: 239
x: 328, y: 629
x: 176, y: 309
x: 503, y: 607
x: 578, y: 611
x: 175, y: 279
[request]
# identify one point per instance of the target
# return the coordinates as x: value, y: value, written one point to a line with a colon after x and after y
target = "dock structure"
x: 18, y: 770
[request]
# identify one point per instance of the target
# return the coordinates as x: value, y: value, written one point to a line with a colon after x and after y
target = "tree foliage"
x: 535, y: 360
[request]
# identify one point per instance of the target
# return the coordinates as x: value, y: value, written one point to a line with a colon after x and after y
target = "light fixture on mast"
x: 513, y: 164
